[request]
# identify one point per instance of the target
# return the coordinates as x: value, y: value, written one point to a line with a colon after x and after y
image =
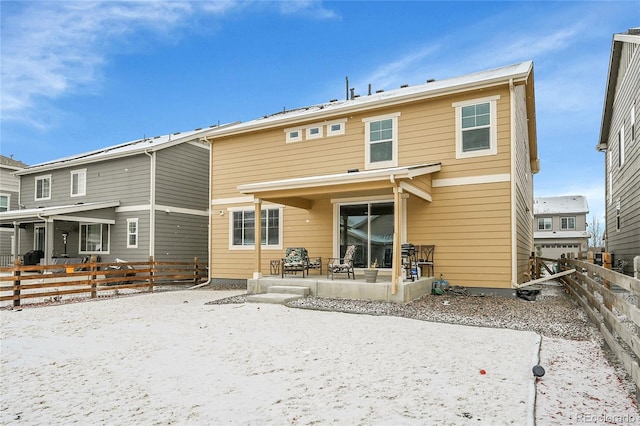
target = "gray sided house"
x: 143, y: 198
x: 9, y: 194
x: 560, y: 225
x: 620, y: 141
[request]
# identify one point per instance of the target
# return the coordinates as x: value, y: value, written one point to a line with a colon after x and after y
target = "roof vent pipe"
x: 347, y: 83
x: 369, y: 94
x: 353, y: 92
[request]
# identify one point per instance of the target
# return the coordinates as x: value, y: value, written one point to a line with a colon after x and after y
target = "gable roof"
x: 126, y: 149
x: 519, y: 72
x: 10, y: 163
x: 630, y: 36
x: 560, y: 205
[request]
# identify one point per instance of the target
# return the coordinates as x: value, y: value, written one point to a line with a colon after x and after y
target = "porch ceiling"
x: 302, y: 192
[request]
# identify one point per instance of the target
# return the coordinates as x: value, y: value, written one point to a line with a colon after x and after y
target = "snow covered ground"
x: 168, y: 358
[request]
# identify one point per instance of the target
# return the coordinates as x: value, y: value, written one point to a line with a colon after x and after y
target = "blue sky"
x: 83, y: 75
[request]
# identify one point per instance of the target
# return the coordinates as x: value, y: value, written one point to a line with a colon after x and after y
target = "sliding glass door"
x: 368, y: 226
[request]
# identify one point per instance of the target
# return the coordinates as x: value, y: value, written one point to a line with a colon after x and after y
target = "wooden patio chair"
x: 344, y: 265
x: 296, y: 260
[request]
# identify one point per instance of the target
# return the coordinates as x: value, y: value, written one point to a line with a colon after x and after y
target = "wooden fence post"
x: 152, y: 266
x: 195, y: 271
x: 16, y: 282
x: 93, y: 276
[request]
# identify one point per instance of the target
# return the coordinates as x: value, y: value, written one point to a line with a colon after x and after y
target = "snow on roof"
x: 124, y: 149
x: 562, y: 204
x: 431, y: 88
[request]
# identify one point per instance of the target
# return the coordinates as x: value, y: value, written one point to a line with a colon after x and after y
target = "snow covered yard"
x: 167, y: 358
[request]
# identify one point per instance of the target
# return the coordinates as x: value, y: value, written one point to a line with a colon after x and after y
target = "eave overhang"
x: 301, y: 192
x: 42, y: 213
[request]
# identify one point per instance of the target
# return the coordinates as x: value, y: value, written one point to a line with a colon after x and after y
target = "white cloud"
x: 53, y: 49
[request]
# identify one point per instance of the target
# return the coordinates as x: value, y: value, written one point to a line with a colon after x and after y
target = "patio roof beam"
x: 412, y: 189
x: 301, y: 203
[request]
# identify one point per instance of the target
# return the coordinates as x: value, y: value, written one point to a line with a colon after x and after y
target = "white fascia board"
x: 59, y: 210
x: 408, y: 172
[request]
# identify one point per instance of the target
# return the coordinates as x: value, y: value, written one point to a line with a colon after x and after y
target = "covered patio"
x: 395, y: 183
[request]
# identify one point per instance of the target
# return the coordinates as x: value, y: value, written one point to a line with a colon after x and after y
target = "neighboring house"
x: 448, y: 163
x: 9, y: 190
x: 142, y: 198
x: 620, y: 141
x: 560, y: 225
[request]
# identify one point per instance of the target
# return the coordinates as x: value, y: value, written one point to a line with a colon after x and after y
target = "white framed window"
x: 568, y: 223
x: 293, y: 135
x: 78, y: 182
x: 314, y: 132
x: 545, y: 224
x: 381, y: 141
x: 336, y: 128
x: 242, y: 228
x: 5, y: 202
x: 43, y: 188
x: 39, y: 235
x: 132, y: 233
x: 94, y: 238
x: 621, y: 147
x: 476, y: 127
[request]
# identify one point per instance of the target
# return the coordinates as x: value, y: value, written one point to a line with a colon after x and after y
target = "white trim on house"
x: 57, y: 210
x: 172, y: 209
x: 493, y: 126
x: 471, y: 180
x: 342, y: 178
x: 233, y: 200
x: 82, y: 219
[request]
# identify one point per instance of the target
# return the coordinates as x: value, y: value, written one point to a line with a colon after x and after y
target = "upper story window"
x: 243, y: 228
x: 4, y: 202
x: 381, y: 141
x: 336, y: 128
x: 43, y: 188
x: 78, y: 183
x: 476, y: 128
x: 314, y: 132
x: 132, y: 233
x: 294, y: 135
x: 568, y: 223
x: 545, y: 224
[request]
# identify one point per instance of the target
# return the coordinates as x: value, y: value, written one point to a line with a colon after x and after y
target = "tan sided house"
x: 448, y: 163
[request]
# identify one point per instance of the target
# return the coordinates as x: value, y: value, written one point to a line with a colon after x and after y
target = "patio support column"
x: 396, y: 269
x: 257, y: 203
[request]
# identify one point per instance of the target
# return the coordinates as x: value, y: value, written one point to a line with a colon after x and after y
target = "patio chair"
x: 344, y: 265
x: 425, y: 259
x: 315, y: 263
x: 296, y: 260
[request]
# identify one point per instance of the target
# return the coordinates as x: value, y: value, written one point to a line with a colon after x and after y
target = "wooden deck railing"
x: 20, y: 282
x: 611, y: 301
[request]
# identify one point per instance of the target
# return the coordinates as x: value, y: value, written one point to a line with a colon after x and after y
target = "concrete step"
x: 277, y: 298
x: 289, y: 289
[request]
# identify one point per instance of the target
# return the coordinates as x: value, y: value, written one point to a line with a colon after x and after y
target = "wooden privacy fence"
x: 611, y: 301
x: 20, y: 282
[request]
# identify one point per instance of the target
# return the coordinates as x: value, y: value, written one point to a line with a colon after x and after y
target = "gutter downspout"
x: 152, y: 204
x: 514, y: 227
x: 209, y: 231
